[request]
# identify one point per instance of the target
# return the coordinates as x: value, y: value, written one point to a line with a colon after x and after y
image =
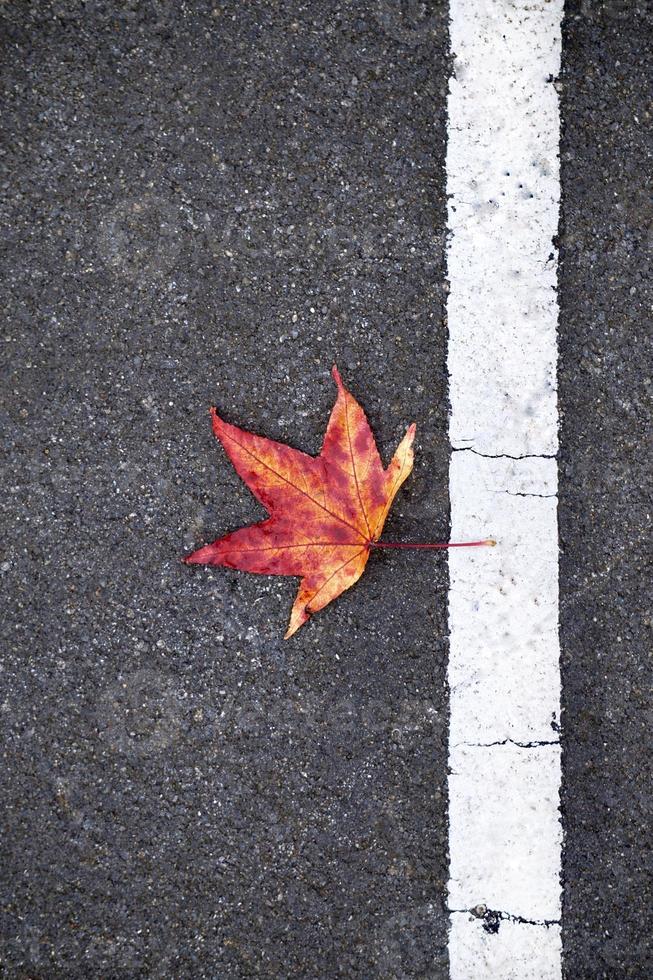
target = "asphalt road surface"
x: 606, y: 235
x: 212, y: 203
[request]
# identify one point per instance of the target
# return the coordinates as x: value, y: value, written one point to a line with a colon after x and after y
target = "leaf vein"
x: 294, y: 486
x: 339, y: 569
x: 353, y: 467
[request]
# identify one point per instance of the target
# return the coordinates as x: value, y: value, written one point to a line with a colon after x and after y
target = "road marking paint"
x: 504, y: 753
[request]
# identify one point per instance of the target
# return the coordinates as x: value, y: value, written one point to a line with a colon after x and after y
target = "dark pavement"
x: 606, y: 354
x: 212, y: 203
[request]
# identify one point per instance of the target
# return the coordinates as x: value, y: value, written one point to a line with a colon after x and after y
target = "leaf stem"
x: 490, y: 542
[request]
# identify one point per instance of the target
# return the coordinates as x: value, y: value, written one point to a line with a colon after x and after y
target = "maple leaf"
x: 326, y: 512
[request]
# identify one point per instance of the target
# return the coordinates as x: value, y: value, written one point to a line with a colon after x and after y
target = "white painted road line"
x: 503, y: 186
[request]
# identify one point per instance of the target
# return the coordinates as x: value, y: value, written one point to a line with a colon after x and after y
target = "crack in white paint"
x: 519, y: 493
x: 494, y: 915
x: 511, y: 741
x: 504, y: 676
x: 468, y: 449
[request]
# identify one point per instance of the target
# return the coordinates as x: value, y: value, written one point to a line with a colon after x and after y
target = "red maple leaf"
x: 326, y: 512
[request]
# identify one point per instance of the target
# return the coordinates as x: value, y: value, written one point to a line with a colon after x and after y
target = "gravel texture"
x: 210, y: 203
x: 605, y: 489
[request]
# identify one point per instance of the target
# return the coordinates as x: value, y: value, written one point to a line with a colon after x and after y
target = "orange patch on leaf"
x: 325, y: 511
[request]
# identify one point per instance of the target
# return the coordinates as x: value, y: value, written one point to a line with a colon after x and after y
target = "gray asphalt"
x: 605, y: 490
x: 212, y: 203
